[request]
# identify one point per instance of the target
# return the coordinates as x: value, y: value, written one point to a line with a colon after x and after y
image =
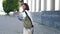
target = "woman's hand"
x: 20, y: 18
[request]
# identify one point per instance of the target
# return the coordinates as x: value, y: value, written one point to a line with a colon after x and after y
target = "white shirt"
x: 23, y: 15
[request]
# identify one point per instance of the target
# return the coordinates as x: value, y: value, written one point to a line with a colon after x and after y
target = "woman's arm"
x: 21, y: 16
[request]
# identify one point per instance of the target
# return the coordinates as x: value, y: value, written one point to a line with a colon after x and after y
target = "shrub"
x: 10, y: 5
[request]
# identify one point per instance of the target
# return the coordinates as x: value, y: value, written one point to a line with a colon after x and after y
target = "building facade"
x: 43, y: 5
x: 46, y: 12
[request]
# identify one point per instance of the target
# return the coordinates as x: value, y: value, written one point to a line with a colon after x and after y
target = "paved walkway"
x: 11, y: 25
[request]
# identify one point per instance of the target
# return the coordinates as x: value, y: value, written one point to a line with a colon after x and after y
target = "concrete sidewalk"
x: 11, y: 25
x: 41, y: 29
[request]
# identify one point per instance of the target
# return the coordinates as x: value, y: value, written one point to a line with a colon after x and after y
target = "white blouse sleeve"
x: 21, y: 16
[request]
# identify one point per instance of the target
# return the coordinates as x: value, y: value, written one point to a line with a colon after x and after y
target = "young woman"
x: 28, y: 26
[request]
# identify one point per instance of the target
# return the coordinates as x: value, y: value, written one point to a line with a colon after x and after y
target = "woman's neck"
x: 24, y: 10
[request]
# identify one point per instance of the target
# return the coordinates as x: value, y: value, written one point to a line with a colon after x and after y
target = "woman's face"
x: 23, y: 7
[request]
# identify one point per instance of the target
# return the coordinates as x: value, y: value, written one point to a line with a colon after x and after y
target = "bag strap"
x: 28, y: 16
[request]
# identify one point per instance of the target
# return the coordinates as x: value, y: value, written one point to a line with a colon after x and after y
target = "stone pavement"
x: 11, y: 25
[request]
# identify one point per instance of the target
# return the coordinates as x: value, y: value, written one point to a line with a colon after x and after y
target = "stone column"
x: 50, y: 5
x: 38, y: 5
x: 57, y: 5
x: 30, y: 4
x: 33, y: 5
x: 42, y: 5
x: 45, y: 5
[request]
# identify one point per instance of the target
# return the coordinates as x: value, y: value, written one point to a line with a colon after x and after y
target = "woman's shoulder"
x: 28, y: 11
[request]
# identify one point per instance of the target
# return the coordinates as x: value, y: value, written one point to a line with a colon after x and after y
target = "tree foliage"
x: 10, y: 5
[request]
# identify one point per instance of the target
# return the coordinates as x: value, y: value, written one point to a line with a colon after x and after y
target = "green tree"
x: 10, y: 5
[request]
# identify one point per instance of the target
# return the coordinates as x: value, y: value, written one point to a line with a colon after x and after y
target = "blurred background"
x: 45, y: 15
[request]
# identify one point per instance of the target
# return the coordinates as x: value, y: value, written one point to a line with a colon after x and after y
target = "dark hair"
x: 27, y: 7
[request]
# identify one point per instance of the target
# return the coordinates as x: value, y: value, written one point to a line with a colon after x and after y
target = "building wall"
x: 48, y: 18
